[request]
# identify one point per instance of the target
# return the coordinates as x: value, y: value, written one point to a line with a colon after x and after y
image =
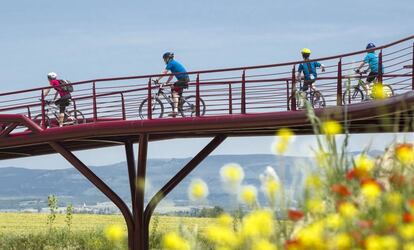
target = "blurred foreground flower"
x: 405, y: 153
x: 284, y: 135
x: 248, y: 195
x: 371, y: 190
x: 270, y: 184
x: 114, y: 233
x: 197, y: 190
x: 331, y: 127
x: 232, y: 175
x: 263, y: 245
x: 258, y: 224
x: 295, y: 215
x: 379, y: 92
x: 172, y: 241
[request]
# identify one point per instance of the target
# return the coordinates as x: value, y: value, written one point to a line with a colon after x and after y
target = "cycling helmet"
x: 52, y: 76
x: 168, y: 55
x: 370, y: 46
x: 305, y: 51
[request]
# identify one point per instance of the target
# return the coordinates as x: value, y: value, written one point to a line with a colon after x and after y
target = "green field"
x: 27, y: 223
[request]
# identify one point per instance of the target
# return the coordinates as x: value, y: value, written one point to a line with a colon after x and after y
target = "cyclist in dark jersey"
x: 309, y: 70
x: 180, y: 73
x: 64, y: 99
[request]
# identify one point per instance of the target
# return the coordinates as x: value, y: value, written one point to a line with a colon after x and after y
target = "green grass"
x: 27, y: 223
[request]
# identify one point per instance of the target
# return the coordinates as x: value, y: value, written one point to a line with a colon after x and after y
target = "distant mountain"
x: 24, y: 188
x: 28, y: 188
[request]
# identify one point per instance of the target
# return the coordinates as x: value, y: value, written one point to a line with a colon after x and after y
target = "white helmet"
x: 52, y: 75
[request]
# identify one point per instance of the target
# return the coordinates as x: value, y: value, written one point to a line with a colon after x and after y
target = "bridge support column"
x: 167, y: 188
x: 81, y: 167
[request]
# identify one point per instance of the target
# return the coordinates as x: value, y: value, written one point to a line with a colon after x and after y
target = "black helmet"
x: 168, y: 55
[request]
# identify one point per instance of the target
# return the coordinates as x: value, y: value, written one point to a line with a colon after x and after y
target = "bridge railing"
x: 244, y: 90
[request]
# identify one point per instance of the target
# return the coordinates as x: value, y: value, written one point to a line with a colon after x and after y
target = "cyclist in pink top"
x: 64, y: 99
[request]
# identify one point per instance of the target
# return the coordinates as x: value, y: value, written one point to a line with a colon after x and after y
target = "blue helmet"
x: 168, y: 55
x: 370, y: 46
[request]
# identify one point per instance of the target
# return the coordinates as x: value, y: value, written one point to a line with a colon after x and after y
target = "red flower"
x: 356, y: 173
x: 408, y: 217
x: 292, y: 244
x: 340, y: 189
x: 411, y: 204
x: 295, y: 215
x: 397, y: 180
x: 365, y: 223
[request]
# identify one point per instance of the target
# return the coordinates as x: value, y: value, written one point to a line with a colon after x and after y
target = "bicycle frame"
x: 160, y: 92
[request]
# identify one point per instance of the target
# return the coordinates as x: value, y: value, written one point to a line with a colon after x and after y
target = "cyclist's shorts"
x: 372, y: 76
x: 180, y: 85
x: 306, y: 84
x: 63, y: 102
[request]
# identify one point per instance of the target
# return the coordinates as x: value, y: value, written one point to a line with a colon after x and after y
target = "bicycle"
x: 356, y: 94
x: 186, y: 105
x: 312, y: 95
x: 72, y: 117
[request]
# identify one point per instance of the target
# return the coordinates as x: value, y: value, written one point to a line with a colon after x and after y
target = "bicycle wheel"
x: 75, y: 117
x: 388, y: 91
x: 298, y: 106
x: 157, y: 108
x: 317, y: 99
x: 354, y: 95
x: 38, y: 120
x: 188, y: 106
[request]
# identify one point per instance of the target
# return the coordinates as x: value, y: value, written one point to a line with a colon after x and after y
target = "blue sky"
x: 99, y: 38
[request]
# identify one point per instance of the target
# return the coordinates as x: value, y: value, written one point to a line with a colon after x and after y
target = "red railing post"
x: 198, y: 95
x: 28, y: 112
x: 287, y: 95
x: 243, y: 93
x: 339, y: 84
x: 74, y: 108
x: 123, y: 107
x: 293, y: 100
x: 149, y: 100
x: 230, y: 100
x: 43, y: 111
x: 412, y: 71
x: 380, y: 68
x: 95, y: 111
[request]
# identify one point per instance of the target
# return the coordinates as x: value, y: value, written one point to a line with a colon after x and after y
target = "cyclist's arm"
x: 164, y: 72
x: 46, y: 92
x: 360, y: 66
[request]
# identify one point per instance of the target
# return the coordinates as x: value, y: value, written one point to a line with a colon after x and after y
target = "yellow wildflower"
x: 114, y: 233
x: 331, y: 127
x: 405, y: 153
x: 232, y: 173
x: 313, y: 181
x: 285, y: 134
x: 172, y: 241
x: 371, y: 191
x: 348, y: 210
x: 379, y: 92
x: 315, y: 206
x: 409, y: 246
x: 248, y: 194
x: 340, y: 241
x: 334, y: 221
x: 375, y: 242
x: 263, y: 245
x: 407, y: 231
x: 225, y: 220
x: 280, y: 146
x: 392, y: 219
x: 223, y: 236
x: 197, y: 190
x: 311, y: 236
x: 394, y: 199
x: 364, y: 163
x: 258, y: 223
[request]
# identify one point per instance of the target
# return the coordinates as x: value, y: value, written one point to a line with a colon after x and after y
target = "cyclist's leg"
x: 372, y: 76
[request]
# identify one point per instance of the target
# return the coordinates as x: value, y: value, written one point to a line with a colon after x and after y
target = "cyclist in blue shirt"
x: 180, y: 73
x: 309, y: 70
x: 372, y: 60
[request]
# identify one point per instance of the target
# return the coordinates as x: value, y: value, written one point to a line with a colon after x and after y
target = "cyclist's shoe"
x: 173, y: 114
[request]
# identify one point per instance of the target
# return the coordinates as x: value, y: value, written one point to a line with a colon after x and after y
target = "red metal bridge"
x: 243, y: 101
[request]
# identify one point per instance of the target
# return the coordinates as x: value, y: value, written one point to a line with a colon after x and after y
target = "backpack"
x: 65, y: 85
